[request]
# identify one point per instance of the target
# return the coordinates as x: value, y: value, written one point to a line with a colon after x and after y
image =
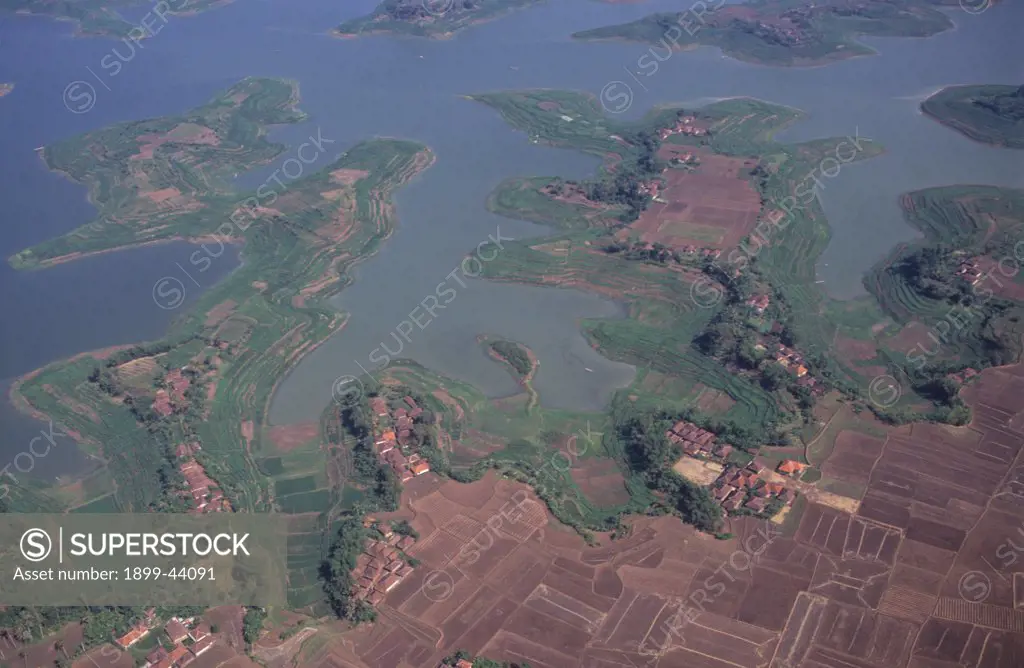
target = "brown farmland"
x: 712, y: 207
x: 929, y: 573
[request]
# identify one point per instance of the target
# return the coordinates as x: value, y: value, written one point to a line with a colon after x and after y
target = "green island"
x: 518, y: 359
x: 438, y: 19
x: 738, y: 350
x: 780, y: 32
x: 515, y: 355
x: 990, y: 114
x: 101, y: 17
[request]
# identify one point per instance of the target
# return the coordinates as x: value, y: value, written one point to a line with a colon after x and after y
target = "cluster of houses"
x: 684, y: 159
x: 203, y: 489
x: 969, y: 271
x: 381, y: 567
x: 962, y: 377
x: 741, y: 487
x: 790, y: 359
x: 690, y: 249
x: 189, y: 640
x: 785, y: 32
x: 737, y: 487
x: 685, y: 125
x: 166, y: 400
x: 649, y: 188
x: 393, y: 437
x: 696, y: 441
x: 759, y: 303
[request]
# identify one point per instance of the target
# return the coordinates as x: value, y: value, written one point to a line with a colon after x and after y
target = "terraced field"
x: 978, y: 224
x: 987, y: 113
x: 268, y: 313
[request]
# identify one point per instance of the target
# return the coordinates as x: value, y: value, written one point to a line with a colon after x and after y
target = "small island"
x: 520, y: 361
x: 437, y: 19
x: 6, y: 88
x: 516, y: 355
x: 780, y: 32
x: 991, y: 114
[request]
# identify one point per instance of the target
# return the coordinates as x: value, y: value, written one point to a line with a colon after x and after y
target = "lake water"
x: 385, y: 86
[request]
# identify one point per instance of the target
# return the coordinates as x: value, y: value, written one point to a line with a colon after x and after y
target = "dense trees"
x: 252, y: 624
x: 651, y: 455
x: 515, y: 355
x: 336, y: 570
x: 1009, y: 106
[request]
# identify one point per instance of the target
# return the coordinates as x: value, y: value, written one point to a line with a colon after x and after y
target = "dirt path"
x: 282, y: 655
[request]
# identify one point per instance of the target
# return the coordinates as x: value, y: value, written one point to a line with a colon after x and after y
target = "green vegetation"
x: 958, y: 287
x: 530, y: 445
x: 243, y: 334
x: 722, y: 349
x: 650, y: 454
x: 252, y: 624
x: 438, y: 19
x: 101, y: 17
x: 780, y: 32
x: 987, y: 113
x: 673, y: 339
x: 348, y: 544
x: 480, y: 662
x: 515, y: 355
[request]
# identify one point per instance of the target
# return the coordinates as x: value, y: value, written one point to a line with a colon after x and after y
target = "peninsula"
x: 990, y: 114
x: 437, y: 19
x: 101, y: 17
x: 781, y: 32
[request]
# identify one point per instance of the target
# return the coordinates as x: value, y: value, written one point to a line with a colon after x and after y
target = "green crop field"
x: 958, y: 224
x: 317, y: 227
x: 989, y: 113
x: 101, y: 17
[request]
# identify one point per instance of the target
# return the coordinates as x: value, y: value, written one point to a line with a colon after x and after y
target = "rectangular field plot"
x: 858, y: 583
x: 565, y: 609
x: 824, y: 528
x: 768, y: 593
x: 507, y: 646
x: 520, y: 572
x: 484, y: 628
x: 547, y: 631
x: 630, y: 621
x: 871, y: 542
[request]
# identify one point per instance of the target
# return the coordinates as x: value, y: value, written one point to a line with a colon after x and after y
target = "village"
x: 188, y: 638
x: 393, y: 437
x: 205, y: 493
x: 738, y: 489
x: 383, y: 563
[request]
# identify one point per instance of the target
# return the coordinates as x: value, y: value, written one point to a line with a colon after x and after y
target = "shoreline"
x: 420, y: 162
x: 419, y: 169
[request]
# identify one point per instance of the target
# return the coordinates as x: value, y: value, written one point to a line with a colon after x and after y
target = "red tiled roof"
x: 133, y: 636
x: 176, y: 631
